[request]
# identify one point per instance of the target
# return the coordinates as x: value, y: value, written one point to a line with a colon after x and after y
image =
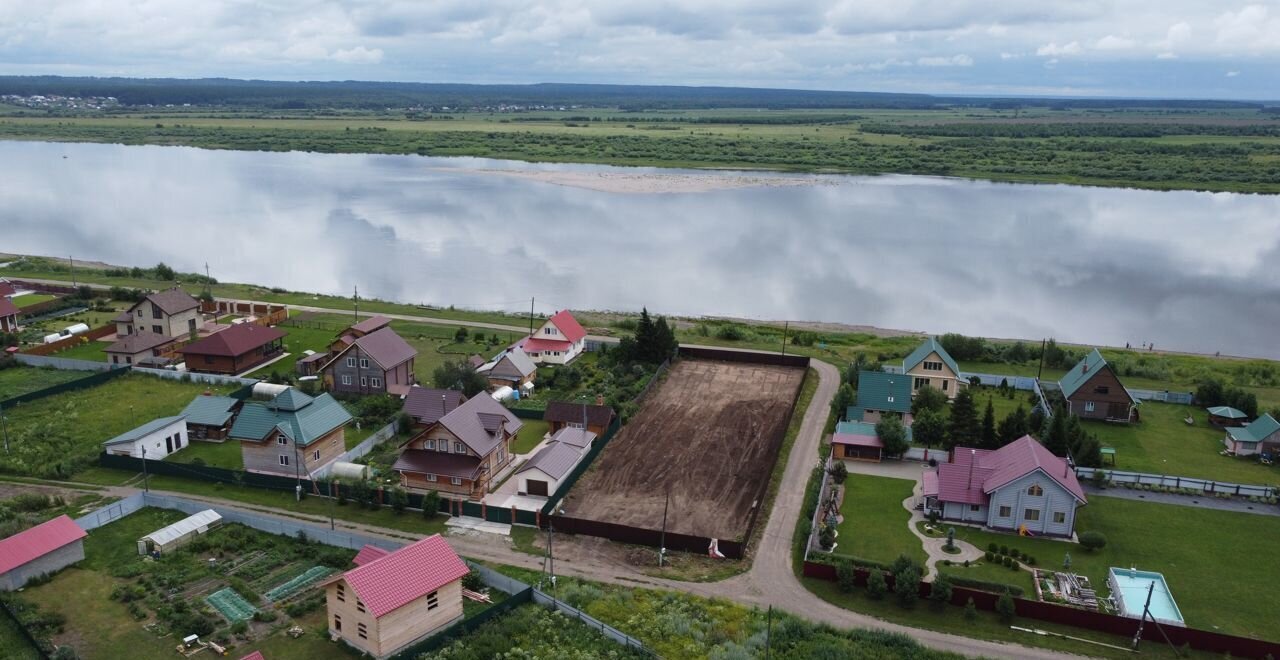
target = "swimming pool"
x: 1129, y: 586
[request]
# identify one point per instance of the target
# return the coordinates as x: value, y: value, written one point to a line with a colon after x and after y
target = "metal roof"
x: 427, y: 405
x: 383, y: 346
x: 138, y: 342
x: 555, y: 460
x: 1256, y: 431
x: 930, y: 345
x: 568, y: 326
x: 574, y: 437
x: 878, y: 390
x: 144, y: 430
x: 519, y: 362
x: 572, y: 413
x: 1226, y: 411
x: 316, y: 418
x: 170, y: 301
x: 401, y: 577
x: 235, y: 340
x: 183, y: 527
x: 29, y: 545
x: 371, y: 324
x: 208, y: 410
x: 467, y: 423
x: 1085, y: 369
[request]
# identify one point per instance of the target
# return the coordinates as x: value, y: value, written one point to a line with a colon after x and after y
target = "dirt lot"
x: 709, y: 433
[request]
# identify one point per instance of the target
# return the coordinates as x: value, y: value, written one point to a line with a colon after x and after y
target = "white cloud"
x: 1112, y: 42
x: 1010, y: 56
x: 358, y: 55
x: 1232, y: 74
x: 1052, y: 48
x: 954, y: 60
x: 1166, y: 56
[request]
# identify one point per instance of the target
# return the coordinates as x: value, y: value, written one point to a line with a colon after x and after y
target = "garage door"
x: 537, y: 487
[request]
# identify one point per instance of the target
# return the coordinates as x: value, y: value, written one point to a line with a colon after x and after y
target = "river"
x: 1185, y: 270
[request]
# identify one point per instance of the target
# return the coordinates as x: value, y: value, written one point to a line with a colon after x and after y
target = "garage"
x: 536, y: 487
x: 541, y: 475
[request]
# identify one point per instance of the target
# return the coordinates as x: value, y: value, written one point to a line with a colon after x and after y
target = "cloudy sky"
x: 1173, y: 48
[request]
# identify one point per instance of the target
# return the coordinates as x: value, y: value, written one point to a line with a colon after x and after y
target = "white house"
x: 558, y: 341
x: 542, y: 474
x: 154, y: 440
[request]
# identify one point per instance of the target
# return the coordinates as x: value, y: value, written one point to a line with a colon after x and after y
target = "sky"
x: 1128, y: 48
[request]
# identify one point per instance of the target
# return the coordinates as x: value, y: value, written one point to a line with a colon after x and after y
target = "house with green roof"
x: 931, y: 366
x: 1092, y: 390
x: 1261, y: 436
x: 293, y: 434
x: 209, y: 417
x: 879, y: 393
x: 154, y: 440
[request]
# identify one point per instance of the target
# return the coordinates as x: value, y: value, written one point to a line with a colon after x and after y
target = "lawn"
x: 538, y: 633
x: 21, y: 380
x: 875, y: 523
x: 1187, y: 544
x: 30, y: 299
x: 297, y: 339
x: 60, y: 435
x: 213, y: 454
x: 92, y: 351
x: 1002, y: 406
x: 13, y: 645
x: 529, y: 436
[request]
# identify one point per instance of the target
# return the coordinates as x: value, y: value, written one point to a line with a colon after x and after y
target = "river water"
x: 1185, y: 270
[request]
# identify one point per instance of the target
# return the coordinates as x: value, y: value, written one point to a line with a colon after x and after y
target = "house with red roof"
x: 560, y: 339
x: 1021, y: 487
x: 8, y: 315
x: 46, y: 548
x: 392, y: 600
x: 380, y: 362
x: 234, y: 350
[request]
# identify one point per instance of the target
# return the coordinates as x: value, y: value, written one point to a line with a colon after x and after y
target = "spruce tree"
x: 1055, y: 436
x: 989, y: 427
x: 963, y: 431
x: 1013, y: 426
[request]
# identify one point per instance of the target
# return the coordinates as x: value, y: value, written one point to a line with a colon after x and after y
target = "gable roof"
x: 568, y: 326
x: 371, y: 324
x: 138, y: 342
x: 236, y: 340
x: 34, y: 543
x: 7, y: 289
x: 209, y: 410
x: 369, y: 553
x: 515, y: 357
x: 427, y: 405
x: 570, y: 412
x: 861, y: 434
x: 1255, y: 431
x: 555, y: 460
x: 443, y: 463
x: 1086, y: 369
x: 7, y: 308
x: 574, y: 437
x: 476, y: 423
x: 142, y: 431
x: 1226, y: 411
x: 930, y: 345
x: 170, y: 301
x: 383, y: 346
x: 401, y: 577
x: 303, y: 424
x: 181, y: 528
x: 973, y: 474
x: 879, y: 390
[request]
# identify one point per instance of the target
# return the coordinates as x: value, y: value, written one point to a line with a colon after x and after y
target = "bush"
x: 827, y: 537
x: 876, y: 586
x: 846, y: 577
x: 907, y: 586
x: 970, y: 610
x: 940, y: 592
x: 1004, y: 549
x: 399, y: 499
x: 473, y: 581
x: 1006, y: 608
x: 1008, y: 561
x: 839, y: 472
x: 430, y: 505
x: 239, y: 627
x: 265, y: 616
x: 1092, y: 541
x: 992, y: 548
x: 990, y: 556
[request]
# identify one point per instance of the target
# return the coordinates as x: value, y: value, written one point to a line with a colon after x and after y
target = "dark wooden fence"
x: 1200, y: 640
x: 776, y: 359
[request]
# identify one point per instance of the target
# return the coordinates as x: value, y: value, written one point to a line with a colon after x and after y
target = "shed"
x: 542, y: 474
x: 45, y: 548
x: 857, y: 441
x: 1224, y: 416
x: 155, y: 440
x: 178, y: 534
x: 209, y: 417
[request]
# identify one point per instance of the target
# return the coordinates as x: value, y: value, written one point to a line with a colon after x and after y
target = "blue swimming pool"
x: 1130, y: 588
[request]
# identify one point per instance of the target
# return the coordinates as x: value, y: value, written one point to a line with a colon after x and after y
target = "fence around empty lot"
x: 66, y: 364
x: 1200, y: 640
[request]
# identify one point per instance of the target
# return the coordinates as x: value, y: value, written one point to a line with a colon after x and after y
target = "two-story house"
x: 931, y: 366
x: 392, y: 600
x: 1021, y: 487
x: 460, y: 453
x: 380, y: 362
x: 1093, y: 390
x: 172, y: 313
x: 560, y: 339
x: 292, y: 434
x: 881, y: 393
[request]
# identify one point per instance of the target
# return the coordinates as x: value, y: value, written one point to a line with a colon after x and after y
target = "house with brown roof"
x: 460, y: 453
x: 1021, y: 487
x: 511, y: 368
x: 8, y: 315
x: 542, y: 474
x: 380, y: 362
x: 559, y: 340
x: 561, y: 414
x: 392, y: 600
x: 237, y: 349
x: 426, y: 405
x: 354, y: 332
x: 143, y: 348
x: 172, y: 313
x: 1092, y: 390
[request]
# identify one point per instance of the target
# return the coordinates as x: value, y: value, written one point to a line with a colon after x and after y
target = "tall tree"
x: 644, y: 336
x: 1055, y: 436
x: 1013, y: 426
x: 664, y: 340
x: 929, y: 428
x: 989, y: 440
x: 963, y: 430
x: 459, y: 376
x: 928, y: 398
x: 845, y: 397
x: 893, y: 434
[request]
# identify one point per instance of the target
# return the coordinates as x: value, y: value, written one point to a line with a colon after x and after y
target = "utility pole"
x: 72, y: 261
x: 551, y: 557
x: 662, y: 539
x: 145, y: 488
x: 768, y: 635
x: 531, y: 316
x: 355, y: 303
x: 785, y: 326
x: 1040, y: 370
x: 208, y: 281
x: 4, y: 425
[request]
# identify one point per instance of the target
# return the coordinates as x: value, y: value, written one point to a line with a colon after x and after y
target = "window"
x: 1031, y: 514
x: 1005, y: 512
x: 158, y: 329
x: 281, y: 440
x: 459, y: 448
x: 341, y: 593
x: 375, y: 382
x: 359, y: 605
x: 433, y: 601
x: 284, y: 460
x: 574, y: 425
x: 115, y: 359
x: 429, y: 444
x: 920, y: 382
x: 364, y: 381
x: 1059, y: 517
x: 351, y: 362
x: 316, y: 455
x: 889, y: 399
x: 932, y: 366
x: 156, y: 313
x: 337, y: 622
x: 974, y: 508
x: 346, y: 379
x: 431, y: 477
x: 1102, y: 389
x: 361, y: 630
x: 128, y: 359
x: 548, y: 330
x: 364, y: 363
x: 944, y: 385
x: 457, y: 481
x: 191, y: 325
x: 1035, y: 490
x: 1089, y: 406
x: 501, y: 454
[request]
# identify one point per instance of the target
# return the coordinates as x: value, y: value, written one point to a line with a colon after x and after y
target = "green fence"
x: 91, y: 380
x: 208, y: 473
x: 466, y: 626
x: 582, y: 466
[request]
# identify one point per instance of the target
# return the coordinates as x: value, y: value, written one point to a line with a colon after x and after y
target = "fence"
x: 66, y: 364
x: 1208, y: 486
x: 382, y: 435
x: 266, y: 314
x: 112, y: 512
x: 591, y: 622
x: 75, y: 340
x: 754, y: 357
x: 77, y: 384
x: 1200, y: 640
x: 817, y: 512
x: 57, y: 304
x: 1184, y: 398
x: 194, y: 377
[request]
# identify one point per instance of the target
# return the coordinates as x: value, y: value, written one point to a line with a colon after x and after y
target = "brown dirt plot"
x: 709, y: 434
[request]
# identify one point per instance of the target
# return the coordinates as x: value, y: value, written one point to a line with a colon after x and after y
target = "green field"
x: 60, y: 435
x: 224, y: 454
x: 21, y: 380
x: 875, y: 522
x: 91, y: 350
x: 30, y: 299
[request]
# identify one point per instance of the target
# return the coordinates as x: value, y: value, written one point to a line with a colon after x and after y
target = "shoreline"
x: 650, y: 183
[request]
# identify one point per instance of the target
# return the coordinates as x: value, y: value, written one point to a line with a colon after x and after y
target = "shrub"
x: 239, y: 628
x: 1008, y: 561
x: 399, y: 499
x: 970, y: 610
x: 876, y: 586
x: 992, y: 548
x: 1031, y: 561
x: 907, y: 586
x: 839, y: 472
x: 940, y: 592
x: 846, y: 577
x: 473, y: 581
x: 1005, y: 607
x: 990, y: 556
x: 265, y: 616
x: 1004, y: 549
x: 827, y: 537
x: 966, y: 563
x: 1092, y: 541
x: 430, y: 505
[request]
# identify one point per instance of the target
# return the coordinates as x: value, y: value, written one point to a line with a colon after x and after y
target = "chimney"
x: 973, y: 458
x: 1084, y: 368
x: 599, y: 399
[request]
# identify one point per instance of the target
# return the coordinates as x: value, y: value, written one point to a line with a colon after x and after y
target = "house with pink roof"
x: 559, y: 340
x: 392, y: 600
x: 1019, y: 487
x: 44, y: 549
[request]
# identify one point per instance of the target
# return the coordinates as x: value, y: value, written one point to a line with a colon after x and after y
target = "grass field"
x: 529, y: 436
x: 224, y: 454
x: 92, y: 351
x: 30, y: 299
x: 13, y: 645
x: 21, y: 380
x: 875, y: 522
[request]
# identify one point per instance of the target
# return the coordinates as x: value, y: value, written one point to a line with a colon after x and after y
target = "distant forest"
x: 356, y: 95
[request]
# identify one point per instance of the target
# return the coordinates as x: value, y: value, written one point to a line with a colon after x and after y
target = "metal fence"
x: 91, y: 380
x: 592, y: 622
x: 382, y: 435
x: 111, y: 512
x: 817, y: 512
x: 194, y: 377
x: 66, y: 364
x: 1208, y: 486
x: 1184, y: 398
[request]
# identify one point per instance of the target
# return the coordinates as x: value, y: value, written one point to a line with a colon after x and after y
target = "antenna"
x: 355, y: 302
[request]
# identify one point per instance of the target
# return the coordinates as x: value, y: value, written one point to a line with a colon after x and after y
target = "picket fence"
x: 1208, y: 486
